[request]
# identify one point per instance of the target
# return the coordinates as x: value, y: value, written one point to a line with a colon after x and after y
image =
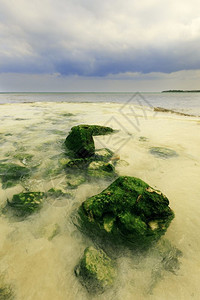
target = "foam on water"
x: 39, y: 267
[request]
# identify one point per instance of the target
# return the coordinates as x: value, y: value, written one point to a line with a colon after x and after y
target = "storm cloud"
x: 99, y: 38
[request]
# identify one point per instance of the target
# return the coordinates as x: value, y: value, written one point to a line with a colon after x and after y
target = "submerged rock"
x: 74, y: 180
x: 96, y: 270
x: 166, y: 259
x: 169, y: 255
x: 11, y: 174
x: 101, y: 170
x: 163, y: 152
x: 6, y: 292
x: 24, y: 158
x: 98, y: 166
x: 24, y: 204
x: 128, y: 212
x: 103, y: 154
x: 80, y: 140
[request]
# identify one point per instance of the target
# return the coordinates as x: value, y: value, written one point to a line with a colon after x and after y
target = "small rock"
x: 24, y: 204
x: 96, y: 270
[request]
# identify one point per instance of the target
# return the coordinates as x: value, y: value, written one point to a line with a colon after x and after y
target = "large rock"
x: 80, y: 140
x: 96, y: 270
x: 128, y: 212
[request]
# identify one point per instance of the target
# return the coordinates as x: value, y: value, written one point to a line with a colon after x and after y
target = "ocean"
x: 39, y: 253
x: 183, y: 102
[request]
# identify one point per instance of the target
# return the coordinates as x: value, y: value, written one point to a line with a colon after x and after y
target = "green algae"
x: 96, y: 270
x: 24, y: 204
x: 80, y: 140
x: 128, y: 212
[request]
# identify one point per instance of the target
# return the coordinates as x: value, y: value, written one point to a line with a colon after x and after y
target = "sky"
x: 93, y: 45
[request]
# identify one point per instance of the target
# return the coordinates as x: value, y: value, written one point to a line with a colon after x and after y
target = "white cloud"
x: 99, y: 37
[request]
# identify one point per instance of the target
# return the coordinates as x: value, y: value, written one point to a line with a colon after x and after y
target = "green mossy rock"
x: 96, y: 270
x: 162, y: 152
x: 24, y: 204
x: 11, y: 174
x: 80, y: 140
x: 128, y: 212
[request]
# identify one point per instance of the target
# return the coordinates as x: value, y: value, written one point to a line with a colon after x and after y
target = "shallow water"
x: 39, y: 267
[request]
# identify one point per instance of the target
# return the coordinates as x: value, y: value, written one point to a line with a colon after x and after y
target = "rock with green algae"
x: 96, y: 270
x: 11, y: 174
x: 24, y: 204
x: 80, y: 139
x: 128, y: 212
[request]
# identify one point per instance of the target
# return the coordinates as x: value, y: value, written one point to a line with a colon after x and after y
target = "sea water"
x: 36, y: 266
x: 182, y: 102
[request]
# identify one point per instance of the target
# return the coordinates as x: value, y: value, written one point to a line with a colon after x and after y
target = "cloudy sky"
x: 99, y: 45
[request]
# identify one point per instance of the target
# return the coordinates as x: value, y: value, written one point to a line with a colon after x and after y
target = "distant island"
x: 181, y: 91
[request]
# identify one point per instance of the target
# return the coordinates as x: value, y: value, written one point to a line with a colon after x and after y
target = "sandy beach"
x: 38, y: 267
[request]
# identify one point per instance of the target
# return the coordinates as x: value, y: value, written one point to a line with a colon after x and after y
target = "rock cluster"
x: 128, y: 213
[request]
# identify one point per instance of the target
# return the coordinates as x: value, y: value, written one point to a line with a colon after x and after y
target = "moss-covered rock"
x: 80, y: 140
x: 96, y: 270
x: 11, y: 174
x: 24, y: 204
x: 162, y: 152
x: 129, y: 211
